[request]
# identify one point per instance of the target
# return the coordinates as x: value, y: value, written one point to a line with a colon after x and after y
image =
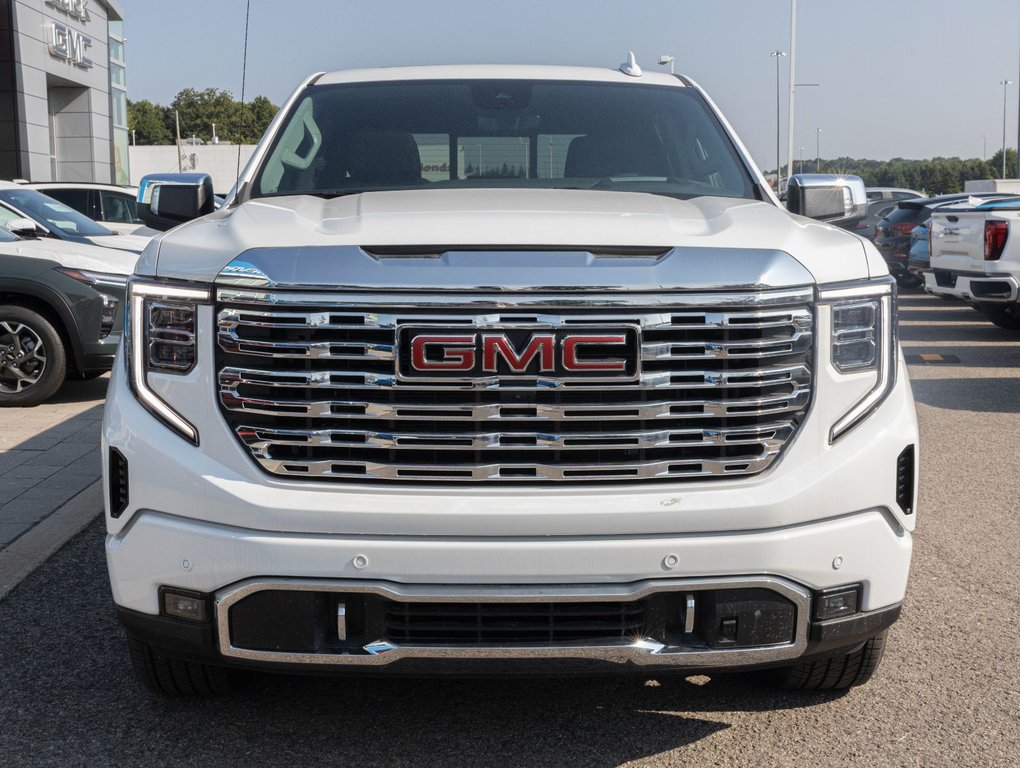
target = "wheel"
x: 33, y: 361
x: 1003, y: 315
x: 175, y: 677
x: 832, y: 673
x: 909, y: 280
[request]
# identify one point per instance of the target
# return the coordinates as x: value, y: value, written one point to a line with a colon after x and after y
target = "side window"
x: 7, y: 215
x: 118, y: 207
x: 72, y: 198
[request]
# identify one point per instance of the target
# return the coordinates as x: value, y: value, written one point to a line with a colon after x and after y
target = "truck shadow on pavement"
x: 992, y: 395
x: 68, y: 693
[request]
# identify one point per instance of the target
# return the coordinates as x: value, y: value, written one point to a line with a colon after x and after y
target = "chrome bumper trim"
x: 639, y: 651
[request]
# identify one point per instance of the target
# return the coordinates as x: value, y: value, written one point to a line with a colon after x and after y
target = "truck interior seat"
x: 385, y: 157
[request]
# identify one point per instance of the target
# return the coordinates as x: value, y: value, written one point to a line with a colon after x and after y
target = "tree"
x: 148, y: 121
x: 995, y: 165
x: 235, y: 122
x: 256, y: 118
x: 199, y: 111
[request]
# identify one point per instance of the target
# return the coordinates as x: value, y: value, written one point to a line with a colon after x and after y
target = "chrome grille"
x: 309, y: 383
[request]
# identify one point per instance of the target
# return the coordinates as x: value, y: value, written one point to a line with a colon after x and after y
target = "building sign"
x: 76, y: 9
x: 70, y: 45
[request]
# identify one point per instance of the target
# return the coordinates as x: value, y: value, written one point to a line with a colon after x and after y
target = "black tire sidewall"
x: 56, y: 358
x: 1000, y: 315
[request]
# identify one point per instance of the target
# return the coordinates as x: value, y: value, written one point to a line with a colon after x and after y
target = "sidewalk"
x: 49, y: 455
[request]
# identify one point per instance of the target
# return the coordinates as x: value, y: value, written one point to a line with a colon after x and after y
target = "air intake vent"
x: 118, y: 479
x: 509, y: 623
x: 905, y: 480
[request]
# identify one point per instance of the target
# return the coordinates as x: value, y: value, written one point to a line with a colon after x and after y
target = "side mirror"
x: 24, y: 228
x: 839, y: 200
x: 168, y: 199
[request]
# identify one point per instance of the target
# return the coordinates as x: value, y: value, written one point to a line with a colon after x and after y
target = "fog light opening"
x: 179, y: 604
x: 838, y: 602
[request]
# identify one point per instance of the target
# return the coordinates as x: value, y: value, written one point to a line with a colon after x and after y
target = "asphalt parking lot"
x: 947, y: 694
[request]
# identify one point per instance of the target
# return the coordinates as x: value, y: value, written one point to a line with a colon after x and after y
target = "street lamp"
x: 667, y: 59
x: 818, y: 150
x: 1005, y: 84
x: 802, y: 159
x: 777, y: 55
x: 984, y: 152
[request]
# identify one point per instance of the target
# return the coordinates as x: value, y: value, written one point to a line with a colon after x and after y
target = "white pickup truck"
x: 494, y: 369
x: 975, y: 256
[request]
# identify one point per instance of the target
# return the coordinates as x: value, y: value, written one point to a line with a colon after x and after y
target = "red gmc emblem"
x: 560, y: 353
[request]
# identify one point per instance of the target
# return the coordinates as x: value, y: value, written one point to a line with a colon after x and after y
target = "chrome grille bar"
x: 311, y: 384
x: 262, y: 440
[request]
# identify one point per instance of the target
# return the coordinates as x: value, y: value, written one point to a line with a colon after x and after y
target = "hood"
x: 75, y: 255
x: 134, y: 243
x: 437, y: 220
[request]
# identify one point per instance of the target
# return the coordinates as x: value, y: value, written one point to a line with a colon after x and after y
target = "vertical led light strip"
x: 886, y: 374
x: 139, y: 292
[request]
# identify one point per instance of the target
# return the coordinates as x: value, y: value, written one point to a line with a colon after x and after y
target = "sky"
x: 898, y: 78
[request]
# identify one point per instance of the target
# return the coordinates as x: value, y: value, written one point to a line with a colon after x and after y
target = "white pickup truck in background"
x: 975, y: 256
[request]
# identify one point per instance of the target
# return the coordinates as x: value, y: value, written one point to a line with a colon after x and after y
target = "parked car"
x: 58, y: 220
x: 114, y: 206
x: 877, y: 209
x: 61, y: 313
x: 892, y: 193
x: 919, y: 257
x: 892, y: 233
x: 975, y: 257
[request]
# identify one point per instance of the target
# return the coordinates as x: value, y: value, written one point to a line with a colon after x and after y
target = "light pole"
x: 793, y: 79
x: 802, y: 159
x: 1005, y: 84
x: 667, y: 59
x: 777, y: 55
x: 818, y: 150
x: 984, y: 152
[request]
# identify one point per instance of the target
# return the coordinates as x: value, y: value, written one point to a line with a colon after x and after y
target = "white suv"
x: 113, y: 205
x: 499, y: 368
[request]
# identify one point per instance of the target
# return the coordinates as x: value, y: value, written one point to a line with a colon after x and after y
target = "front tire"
x: 833, y: 673
x: 177, y: 678
x: 33, y: 361
x: 909, y: 281
x: 1003, y: 315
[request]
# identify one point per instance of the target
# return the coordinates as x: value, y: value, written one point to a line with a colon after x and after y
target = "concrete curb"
x: 34, y: 547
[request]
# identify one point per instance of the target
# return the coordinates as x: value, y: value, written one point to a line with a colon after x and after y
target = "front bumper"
x: 977, y: 287
x: 690, y: 648
x: 204, y: 519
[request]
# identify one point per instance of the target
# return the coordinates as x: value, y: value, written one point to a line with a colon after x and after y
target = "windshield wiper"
x: 324, y: 193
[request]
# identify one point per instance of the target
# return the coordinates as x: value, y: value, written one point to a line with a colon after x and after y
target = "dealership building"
x: 63, y: 92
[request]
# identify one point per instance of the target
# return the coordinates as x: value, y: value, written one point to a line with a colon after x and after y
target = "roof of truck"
x: 496, y: 72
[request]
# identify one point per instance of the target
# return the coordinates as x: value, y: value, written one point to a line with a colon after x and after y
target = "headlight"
x: 863, y: 339
x: 104, y: 283
x: 162, y: 338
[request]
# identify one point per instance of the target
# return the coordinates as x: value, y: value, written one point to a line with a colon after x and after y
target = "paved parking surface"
x: 948, y: 692
x: 48, y: 455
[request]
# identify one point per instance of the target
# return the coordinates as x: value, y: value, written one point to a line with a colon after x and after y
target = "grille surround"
x: 308, y: 382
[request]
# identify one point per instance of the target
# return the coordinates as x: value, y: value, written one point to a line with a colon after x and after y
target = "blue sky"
x: 899, y: 78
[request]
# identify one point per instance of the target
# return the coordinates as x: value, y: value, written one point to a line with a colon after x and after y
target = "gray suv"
x: 61, y: 314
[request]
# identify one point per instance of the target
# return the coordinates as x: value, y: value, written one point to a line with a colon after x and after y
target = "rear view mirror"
x: 168, y: 199
x: 24, y: 228
x: 840, y: 200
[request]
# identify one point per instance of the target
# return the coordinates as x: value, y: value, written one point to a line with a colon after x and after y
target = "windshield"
x: 52, y: 214
x: 7, y: 237
x: 346, y: 139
